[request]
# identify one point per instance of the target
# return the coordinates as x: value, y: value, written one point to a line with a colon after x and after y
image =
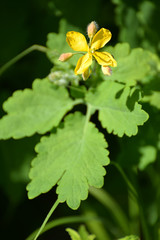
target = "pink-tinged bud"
x: 65, y: 56
x: 86, y: 74
x: 92, y: 29
x: 106, y: 70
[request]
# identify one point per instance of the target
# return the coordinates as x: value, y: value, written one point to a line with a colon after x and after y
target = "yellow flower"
x: 77, y: 42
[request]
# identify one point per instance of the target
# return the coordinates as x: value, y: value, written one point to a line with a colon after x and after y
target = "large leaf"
x: 36, y: 110
x: 73, y: 158
x: 119, y: 110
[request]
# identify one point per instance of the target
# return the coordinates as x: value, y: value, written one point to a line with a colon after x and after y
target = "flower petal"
x: 100, y: 39
x: 105, y: 59
x: 83, y: 63
x: 77, y: 41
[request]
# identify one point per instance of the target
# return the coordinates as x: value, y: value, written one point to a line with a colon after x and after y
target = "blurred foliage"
x: 134, y: 24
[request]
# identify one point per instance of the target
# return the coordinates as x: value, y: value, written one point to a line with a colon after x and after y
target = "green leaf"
x: 119, y: 110
x: 82, y: 234
x: 132, y: 65
x: 153, y: 99
x: 73, y: 234
x: 56, y: 43
x: 73, y: 158
x: 149, y: 154
x: 34, y: 110
x: 131, y: 237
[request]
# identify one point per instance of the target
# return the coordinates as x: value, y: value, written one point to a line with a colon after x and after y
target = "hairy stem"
x: 21, y: 55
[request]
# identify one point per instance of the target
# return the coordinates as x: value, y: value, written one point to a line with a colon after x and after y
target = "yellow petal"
x: 105, y: 59
x: 77, y: 41
x: 100, y: 39
x: 83, y: 63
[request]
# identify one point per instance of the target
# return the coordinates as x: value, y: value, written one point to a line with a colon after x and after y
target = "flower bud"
x: 106, y: 70
x: 92, y: 29
x: 86, y: 74
x: 65, y: 56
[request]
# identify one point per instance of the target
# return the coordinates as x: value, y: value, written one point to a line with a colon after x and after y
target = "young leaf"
x: 73, y: 158
x: 153, y: 99
x: 131, y: 237
x: 82, y: 234
x: 36, y: 110
x: 149, y: 154
x: 73, y: 234
x: 119, y: 111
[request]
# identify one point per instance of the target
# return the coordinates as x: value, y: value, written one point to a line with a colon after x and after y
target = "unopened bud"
x: 86, y: 74
x: 106, y: 70
x: 92, y: 29
x: 65, y: 56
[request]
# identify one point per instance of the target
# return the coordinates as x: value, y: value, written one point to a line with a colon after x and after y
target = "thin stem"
x: 130, y: 185
x: 140, y: 205
x: 88, y: 114
x: 46, y: 219
x: 78, y: 53
x: 63, y: 221
x: 104, y: 198
x: 21, y: 55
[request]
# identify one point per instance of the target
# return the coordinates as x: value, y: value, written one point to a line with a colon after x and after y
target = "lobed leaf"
x: 132, y: 65
x: 34, y: 110
x: 73, y: 158
x: 119, y: 110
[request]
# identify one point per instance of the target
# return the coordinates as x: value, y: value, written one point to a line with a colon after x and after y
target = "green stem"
x: 104, y: 198
x: 21, y: 55
x: 128, y: 182
x: 88, y: 114
x: 63, y: 221
x: 46, y: 219
x: 96, y: 227
x: 140, y: 205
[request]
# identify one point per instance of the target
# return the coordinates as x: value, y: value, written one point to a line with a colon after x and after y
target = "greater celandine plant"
x: 74, y: 155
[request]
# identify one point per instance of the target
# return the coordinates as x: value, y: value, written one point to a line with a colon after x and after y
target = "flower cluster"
x: 98, y: 40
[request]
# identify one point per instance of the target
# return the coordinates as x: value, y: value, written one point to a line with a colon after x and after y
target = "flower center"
x: 92, y: 51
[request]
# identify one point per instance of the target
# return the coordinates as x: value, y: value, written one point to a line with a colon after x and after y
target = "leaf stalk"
x: 46, y: 219
x: 21, y: 55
